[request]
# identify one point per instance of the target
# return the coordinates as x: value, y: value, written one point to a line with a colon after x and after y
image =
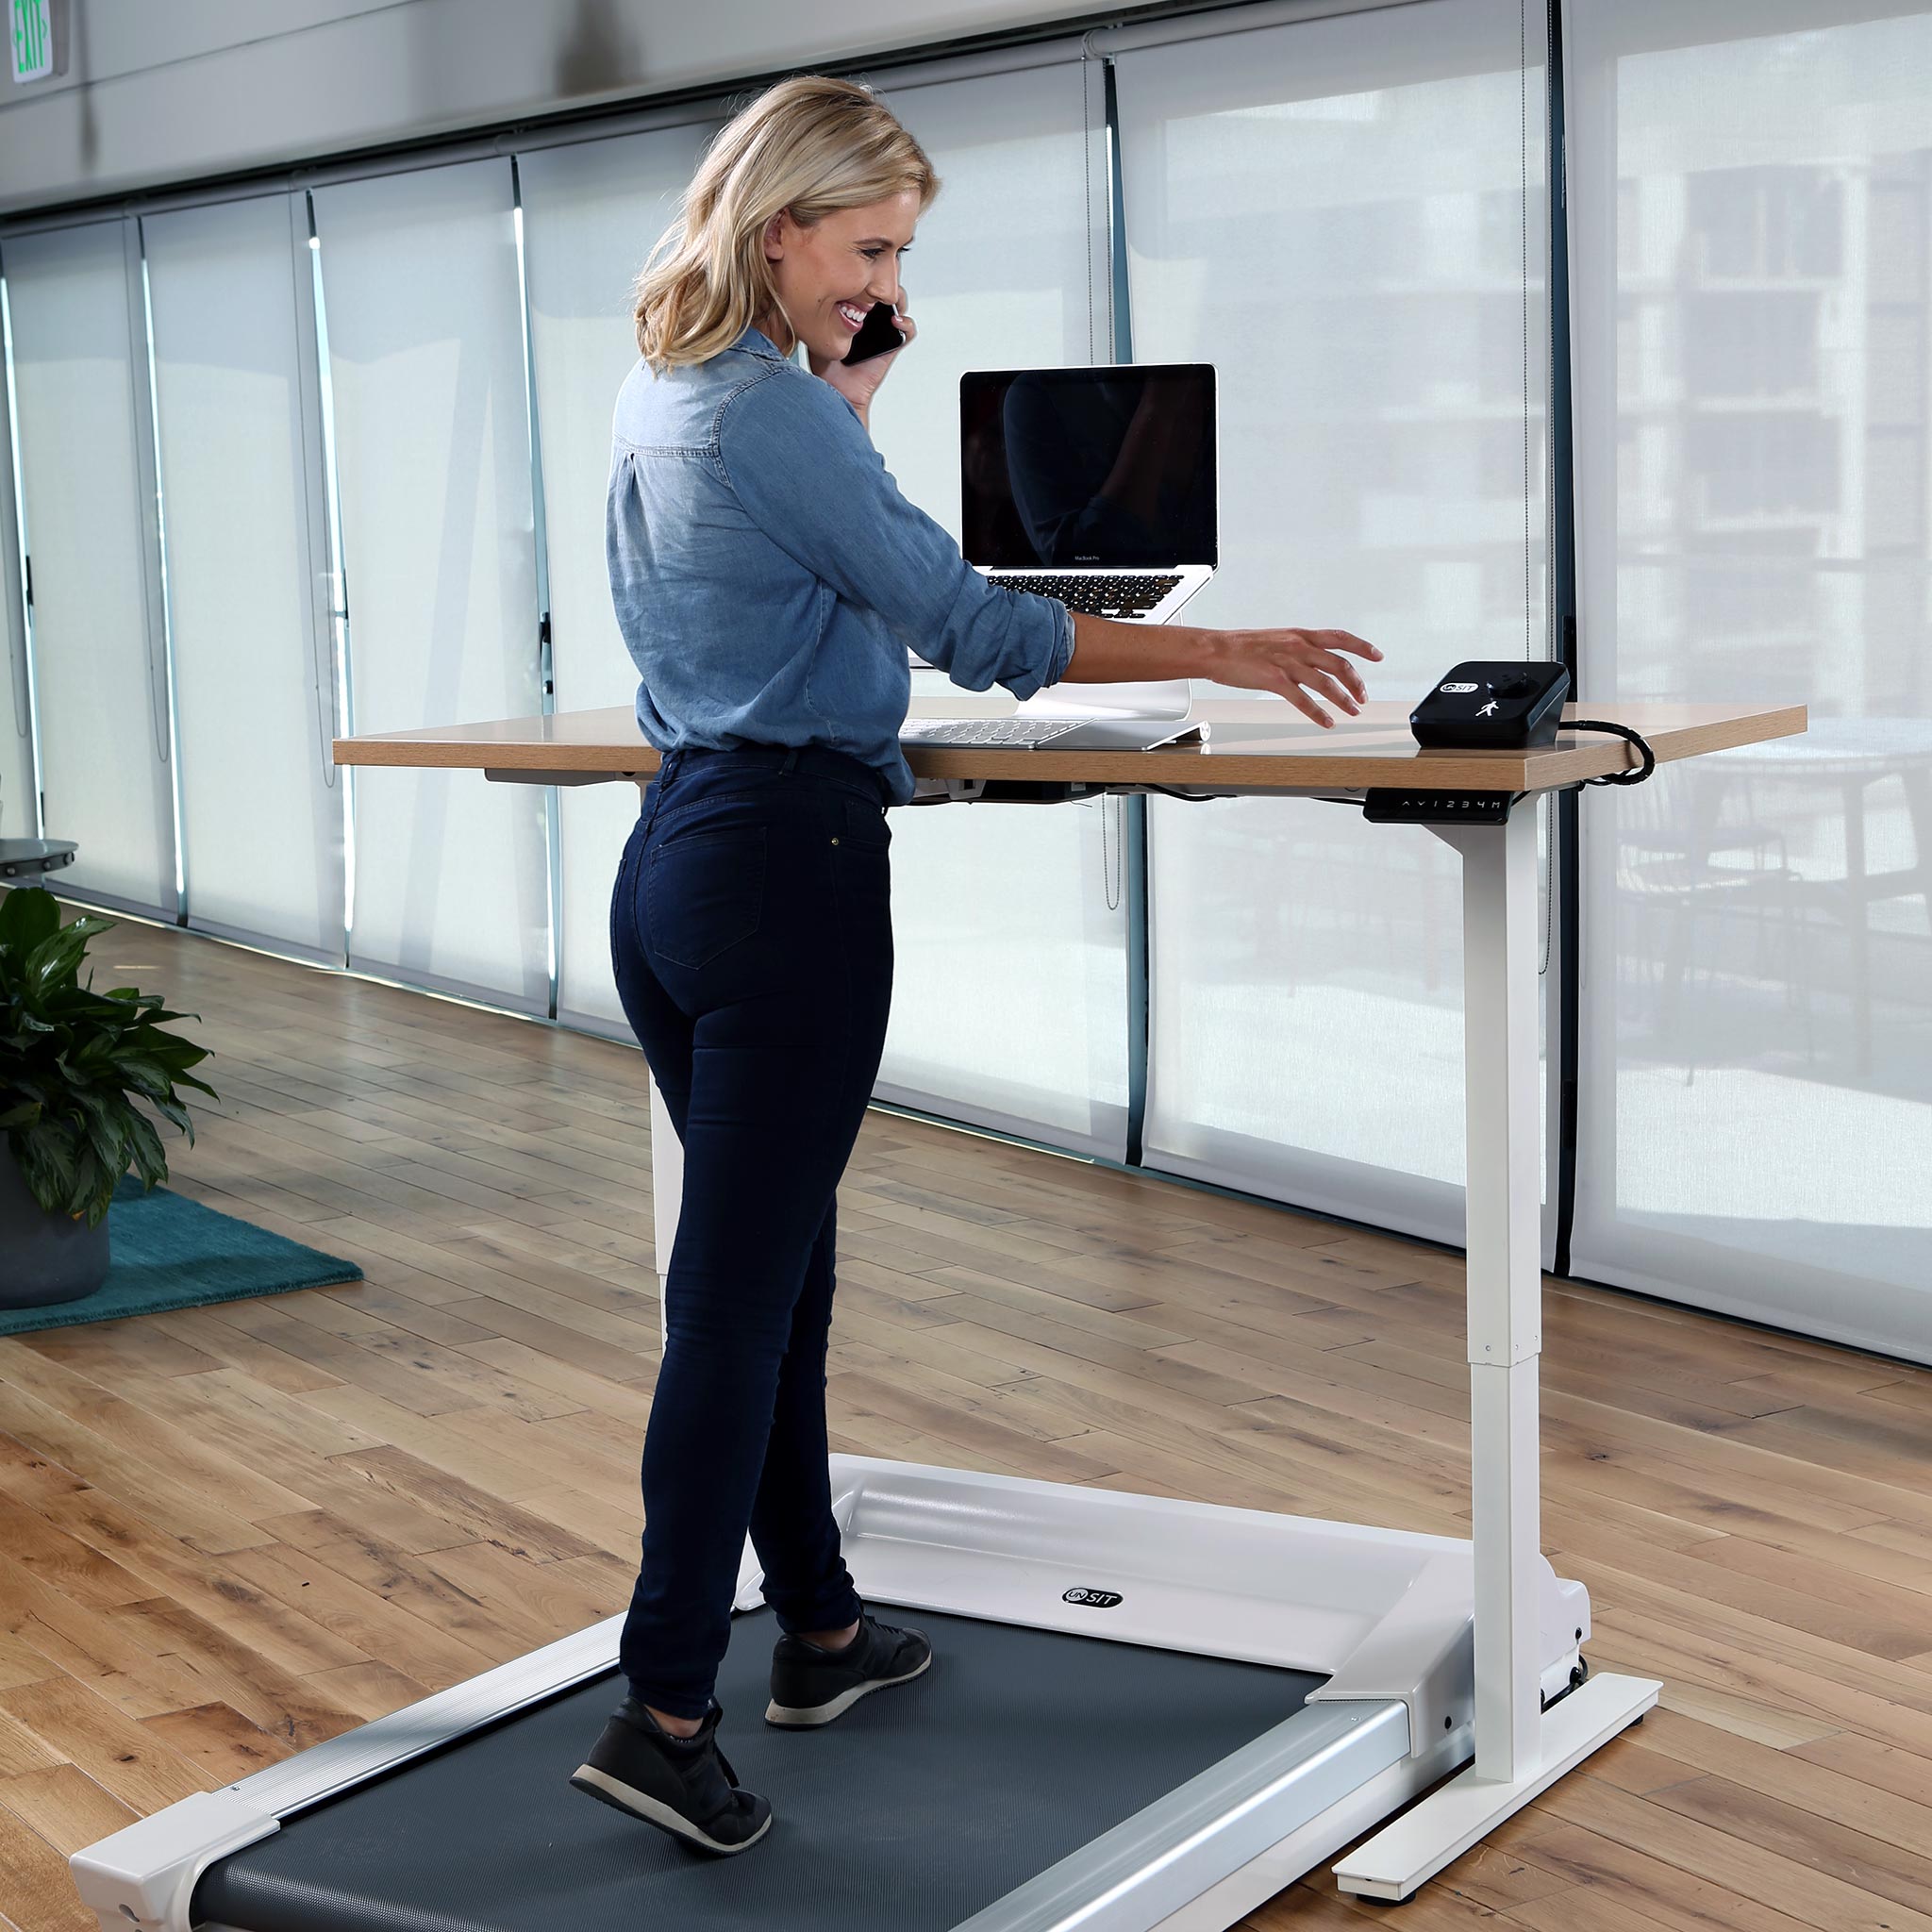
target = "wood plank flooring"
x: 227, y: 1533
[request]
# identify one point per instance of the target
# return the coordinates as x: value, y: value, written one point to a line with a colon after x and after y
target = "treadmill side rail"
x: 145, y: 1873
x: 1154, y: 1863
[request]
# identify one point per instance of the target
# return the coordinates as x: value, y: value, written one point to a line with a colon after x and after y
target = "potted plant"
x: 74, y: 1062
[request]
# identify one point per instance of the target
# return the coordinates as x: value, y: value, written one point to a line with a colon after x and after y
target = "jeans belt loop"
x: 666, y: 764
x: 791, y: 761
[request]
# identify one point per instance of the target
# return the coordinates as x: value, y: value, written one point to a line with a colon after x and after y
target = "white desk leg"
x: 1502, y: 1166
x: 667, y: 1192
x: 1519, y: 1751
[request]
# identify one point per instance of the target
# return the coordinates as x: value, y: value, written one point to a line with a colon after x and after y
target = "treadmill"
x: 1142, y: 1713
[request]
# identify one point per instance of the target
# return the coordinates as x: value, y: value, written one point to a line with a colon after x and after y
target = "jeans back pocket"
x: 705, y: 891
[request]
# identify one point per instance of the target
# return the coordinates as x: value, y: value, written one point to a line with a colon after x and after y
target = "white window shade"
x: 1347, y: 217
x: 254, y: 689
x: 1750, y: 222
x: 99, y: 656
x: 1009, y: 999
x: 593, y: 212
x: 424, y: 326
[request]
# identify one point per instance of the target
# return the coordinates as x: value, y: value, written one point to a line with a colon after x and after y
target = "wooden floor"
x: 228, y: 1533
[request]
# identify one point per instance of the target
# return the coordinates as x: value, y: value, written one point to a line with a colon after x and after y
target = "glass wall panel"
x: 1009, y: 1004
x: 1347, y: 217
x: 254, y: 693
x: 450, y: 880
x: 592, y: 213
x: 16, y: 715
x: 79, y: 378
x: 1750, y: 198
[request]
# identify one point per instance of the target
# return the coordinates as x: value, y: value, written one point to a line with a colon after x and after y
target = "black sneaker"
x: 684, y: 1785
x: 811, y: 1685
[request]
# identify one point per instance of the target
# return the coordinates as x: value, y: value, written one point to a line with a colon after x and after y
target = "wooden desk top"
x: 1255, y: 744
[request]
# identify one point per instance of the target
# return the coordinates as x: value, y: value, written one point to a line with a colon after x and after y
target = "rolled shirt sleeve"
x: 799, y: 462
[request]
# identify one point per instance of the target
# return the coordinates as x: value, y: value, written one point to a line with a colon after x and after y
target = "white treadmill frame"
x: 1383, y: 1616
x: 1423, y: 1640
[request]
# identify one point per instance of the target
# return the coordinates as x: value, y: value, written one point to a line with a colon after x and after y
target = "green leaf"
x: 150, y: 1157
x: 29, y: 915
x: 172, y: 1052
x: 46, y: 1165
x: 148, y: 1077
x: 54, y: 960
x: 87, y: 1179
x: 107, y: 1129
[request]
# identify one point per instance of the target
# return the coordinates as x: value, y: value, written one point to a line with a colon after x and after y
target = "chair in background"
x: 1673, y: 852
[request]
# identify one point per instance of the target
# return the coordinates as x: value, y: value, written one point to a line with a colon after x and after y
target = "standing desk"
x: 1428, y: 1651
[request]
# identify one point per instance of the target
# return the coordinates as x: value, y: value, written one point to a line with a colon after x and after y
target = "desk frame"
x: 1466, y: 1640
x: 1521, y: 1746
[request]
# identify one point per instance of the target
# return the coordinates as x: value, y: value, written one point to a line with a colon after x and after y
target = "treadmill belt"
x: 917, y: 1808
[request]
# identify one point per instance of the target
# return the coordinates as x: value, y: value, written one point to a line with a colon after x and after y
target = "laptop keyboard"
x: 1025, y: 732
x: 1098, y: 596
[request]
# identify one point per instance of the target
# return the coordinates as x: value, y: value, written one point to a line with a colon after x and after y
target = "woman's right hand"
x: 1297, y: 663
x: 1302, y: 666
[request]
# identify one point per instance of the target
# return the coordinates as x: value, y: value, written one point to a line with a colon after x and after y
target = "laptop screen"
x: 1109, y: 469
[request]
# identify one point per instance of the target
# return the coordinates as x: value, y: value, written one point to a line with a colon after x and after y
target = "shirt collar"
x: 758, y: 342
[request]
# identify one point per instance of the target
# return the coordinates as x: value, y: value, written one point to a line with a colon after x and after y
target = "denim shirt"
x: 768, y: 578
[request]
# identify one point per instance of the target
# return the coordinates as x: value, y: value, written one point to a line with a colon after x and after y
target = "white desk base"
x: 1416, y: 1845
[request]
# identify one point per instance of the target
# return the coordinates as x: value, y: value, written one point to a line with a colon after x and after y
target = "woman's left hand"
x: 859, y: 382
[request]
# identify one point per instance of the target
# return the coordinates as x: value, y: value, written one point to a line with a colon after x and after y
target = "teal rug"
x: 169, y: 1252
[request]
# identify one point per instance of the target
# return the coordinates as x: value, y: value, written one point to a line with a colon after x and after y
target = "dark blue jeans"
x: 752, y: 933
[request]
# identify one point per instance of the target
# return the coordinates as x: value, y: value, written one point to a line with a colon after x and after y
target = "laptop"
x: 1096, y: 486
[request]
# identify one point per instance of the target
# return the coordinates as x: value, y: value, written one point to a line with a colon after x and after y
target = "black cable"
x: 1635, y: 777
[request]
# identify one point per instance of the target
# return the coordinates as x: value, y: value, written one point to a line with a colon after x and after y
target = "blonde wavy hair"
x: 809, y: 145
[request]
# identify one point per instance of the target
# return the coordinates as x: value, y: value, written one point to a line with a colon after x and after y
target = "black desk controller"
x: 1482, y: 706
x: 1493, y: 707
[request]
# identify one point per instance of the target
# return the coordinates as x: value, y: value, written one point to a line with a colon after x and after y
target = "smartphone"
x: 877, y: 336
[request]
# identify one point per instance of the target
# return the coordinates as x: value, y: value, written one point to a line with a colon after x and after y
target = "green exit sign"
x: 31, y: 36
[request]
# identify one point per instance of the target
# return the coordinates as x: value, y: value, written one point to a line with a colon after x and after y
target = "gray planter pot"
x: 44, y: 1258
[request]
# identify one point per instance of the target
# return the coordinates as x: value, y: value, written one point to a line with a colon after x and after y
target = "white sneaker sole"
x: 610, y: 1791
x: 801, y: 1718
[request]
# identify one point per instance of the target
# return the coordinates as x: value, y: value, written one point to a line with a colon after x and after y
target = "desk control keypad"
x: 1395, y: 807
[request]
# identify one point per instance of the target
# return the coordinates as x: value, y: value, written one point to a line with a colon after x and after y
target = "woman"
x: 768, y: 577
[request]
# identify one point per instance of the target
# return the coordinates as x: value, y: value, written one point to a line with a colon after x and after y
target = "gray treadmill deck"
x: 919, y: 1808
